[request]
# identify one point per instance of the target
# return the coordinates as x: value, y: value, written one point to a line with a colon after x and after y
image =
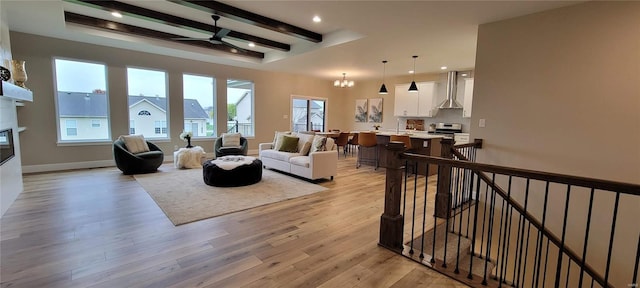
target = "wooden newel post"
x: 391, y: 221
x: 443, y: 193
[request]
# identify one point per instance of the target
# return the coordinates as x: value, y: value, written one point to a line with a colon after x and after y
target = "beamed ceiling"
x: 353, y: 37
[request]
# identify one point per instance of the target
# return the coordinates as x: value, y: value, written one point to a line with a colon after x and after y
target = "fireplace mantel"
x: 15, y: 92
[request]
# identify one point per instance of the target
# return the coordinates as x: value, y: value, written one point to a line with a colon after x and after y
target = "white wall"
x: 85, y: 128
x: 145, y: 124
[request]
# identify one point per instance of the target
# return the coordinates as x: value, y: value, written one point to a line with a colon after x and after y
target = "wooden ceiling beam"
x: 224, y: 10
x: 163, y: 18
x: 71, y: 17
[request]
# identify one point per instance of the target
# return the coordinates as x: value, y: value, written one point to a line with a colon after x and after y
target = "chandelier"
x: 344, y: 82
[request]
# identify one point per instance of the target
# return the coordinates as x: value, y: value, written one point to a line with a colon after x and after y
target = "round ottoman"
x: 232, y: 171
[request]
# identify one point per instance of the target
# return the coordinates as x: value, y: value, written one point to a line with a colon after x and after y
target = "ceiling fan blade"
x: 222, y: 33
x: 190, y: 39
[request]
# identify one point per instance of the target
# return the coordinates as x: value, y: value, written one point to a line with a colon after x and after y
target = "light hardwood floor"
x: 99, y: 228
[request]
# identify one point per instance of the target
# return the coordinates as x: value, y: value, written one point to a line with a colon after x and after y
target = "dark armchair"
x: 234, y: 150
x: 138, y: 163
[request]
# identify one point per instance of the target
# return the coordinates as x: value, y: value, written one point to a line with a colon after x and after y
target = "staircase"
x: 492, y: 226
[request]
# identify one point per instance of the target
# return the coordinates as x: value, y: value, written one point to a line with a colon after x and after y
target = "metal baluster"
x: 544, y: 216
x: 505, y: 253
x: 518, y: 244
x: 413, y: 217
x: 586, y: 238
x: 475, y: 229
x: 459, y: 232
x: 526, y: 253
x: 404, y: 197
x: 613, y: 230
x: 484, y: 218
x: 546, y: 259
x: 499, y: 238
x: 526, y: 201
x: 564, y: 233
x: 424, y: 207
x: 490, y: 230
x: 566, y: 283
x: 471, y: 176
x: 635, y: 269
x: 446, y: 232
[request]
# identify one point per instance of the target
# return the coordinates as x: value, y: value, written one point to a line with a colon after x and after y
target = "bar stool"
x: 367, y: 141
x: 407, y: 145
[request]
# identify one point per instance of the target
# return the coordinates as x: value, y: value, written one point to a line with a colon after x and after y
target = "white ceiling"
x: 358, y: 35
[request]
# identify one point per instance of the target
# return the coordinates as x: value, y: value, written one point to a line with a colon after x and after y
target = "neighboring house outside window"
x: 160, y: 127
x: 95, y: 123
x: 150, y: 108
x: 199, y: 97
x: 144, y: 113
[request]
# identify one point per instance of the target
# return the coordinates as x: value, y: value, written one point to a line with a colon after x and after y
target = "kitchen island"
x: 421, y: 143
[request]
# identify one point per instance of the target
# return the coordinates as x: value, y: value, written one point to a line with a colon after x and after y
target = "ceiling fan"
x: 216, y: 38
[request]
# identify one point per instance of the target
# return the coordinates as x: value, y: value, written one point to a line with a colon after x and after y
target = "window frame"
x: 74, y: 142
x: 253, y: 107
x: 308, y: 99
x: 215, y: 106
x: 168, y: 106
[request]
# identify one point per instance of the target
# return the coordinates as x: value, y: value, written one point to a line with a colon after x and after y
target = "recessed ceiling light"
x: 317, y: 19
x: 464, y: 75
x: 251, y: 44
x: 443, y: 67
x: 116, y: 14
x: 234, y: 50
x: 411, y: 71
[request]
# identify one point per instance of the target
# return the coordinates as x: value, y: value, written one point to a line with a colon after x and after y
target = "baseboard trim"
x: 67, y: 166
x: 26, y: 169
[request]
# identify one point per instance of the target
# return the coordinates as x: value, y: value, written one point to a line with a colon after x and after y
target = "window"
x: 160, y: 127
x: 71, y: 127
x: 148, y: 105
x: 82, y: 101
x: 240, y: 107
x: 199, y: 105
x: 132, y: 127
x: 307, y: 113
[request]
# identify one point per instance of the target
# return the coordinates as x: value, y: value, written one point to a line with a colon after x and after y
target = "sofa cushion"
x: 289, y: 144
x: 135, y: 143
x: 277, y: 138
x: 330, y: 145
x: 300, y: 161
x: 277, y: 155
x: 230, y: 139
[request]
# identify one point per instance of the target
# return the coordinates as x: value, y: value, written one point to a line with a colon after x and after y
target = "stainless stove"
x: 446, y: 128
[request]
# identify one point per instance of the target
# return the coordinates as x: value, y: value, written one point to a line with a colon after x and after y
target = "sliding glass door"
x: 308, y: 114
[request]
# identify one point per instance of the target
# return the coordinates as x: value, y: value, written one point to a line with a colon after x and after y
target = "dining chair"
x: 367, y: 141
x: 342, y: 141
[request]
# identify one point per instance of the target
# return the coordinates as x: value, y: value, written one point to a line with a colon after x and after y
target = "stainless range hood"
x: 452, y: 83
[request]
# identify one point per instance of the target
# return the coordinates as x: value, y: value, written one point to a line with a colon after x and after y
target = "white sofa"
x: 319, y: 164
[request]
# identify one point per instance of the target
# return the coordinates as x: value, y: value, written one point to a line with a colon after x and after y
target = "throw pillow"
x: 305, y: 148
x: 289, y: 144
x: 330, y: 144
x: 230, y: 139
x: 135, y: 143
x: 277, y: 139
x: 318, y: 143
x: 304, y: 138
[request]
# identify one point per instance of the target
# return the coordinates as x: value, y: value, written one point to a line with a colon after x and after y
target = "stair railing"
x: 509, y: 236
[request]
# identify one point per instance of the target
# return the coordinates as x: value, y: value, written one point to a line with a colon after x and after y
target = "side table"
x: 188, y: 157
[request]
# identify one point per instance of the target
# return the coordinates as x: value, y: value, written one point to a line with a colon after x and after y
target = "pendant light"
x: 383, y: 88
x: 414, y: 87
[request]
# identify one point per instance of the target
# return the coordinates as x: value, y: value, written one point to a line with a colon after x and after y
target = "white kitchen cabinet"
x: 468, y: 98
x: 415, y: 104
x: 405, y: 102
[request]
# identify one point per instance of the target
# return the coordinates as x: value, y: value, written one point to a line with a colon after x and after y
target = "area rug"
x: 184, y: 197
